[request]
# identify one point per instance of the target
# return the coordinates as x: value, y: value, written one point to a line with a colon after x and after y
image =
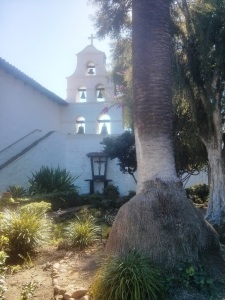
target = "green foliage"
x: 131, y: 194
x: 189, y: 275
x: 60, y: 199
x: 112, y: 17
x: 6, y: 202
x: 82, y: 232
x: 105, y: 232
x: 28, y: 290
x: 122, y: 147
x: 190, y: 152
x: 109, y: 218
x: 96, y: 201
x: 111, y: 192
x: 50, y: 180
x: 25, y: 232
x: 198, y: 193
x: 200, y: 60
x: 27, y: 261
x: 3, y: 257
x: 17, y: 191
x: 36, y: 208
x: 129, y: 277
x: 4, y: 242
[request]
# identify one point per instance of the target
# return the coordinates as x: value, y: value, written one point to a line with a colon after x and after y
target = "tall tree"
x: 200, y: 47
x: 201, y: 60
x: 122, y: 147
x: 159, y: 220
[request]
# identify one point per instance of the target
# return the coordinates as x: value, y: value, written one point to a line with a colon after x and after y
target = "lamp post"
x: 99, y: 164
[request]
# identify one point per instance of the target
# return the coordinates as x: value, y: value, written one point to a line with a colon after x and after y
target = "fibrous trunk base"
x: 163, y: 223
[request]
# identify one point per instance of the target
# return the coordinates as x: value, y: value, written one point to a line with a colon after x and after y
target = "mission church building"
x: 38, y: 128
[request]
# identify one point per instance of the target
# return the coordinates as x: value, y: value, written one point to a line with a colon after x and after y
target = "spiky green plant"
x: 82, y: 232
x: 128, y: 277
x: 28, y: 290
x: 50, y: 180
x: 17, y: 191
x: 25, y: 232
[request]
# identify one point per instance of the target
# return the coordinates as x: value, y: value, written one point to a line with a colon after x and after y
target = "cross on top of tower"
x: 92, y: 38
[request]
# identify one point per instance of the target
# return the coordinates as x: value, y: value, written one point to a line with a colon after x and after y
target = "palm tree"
x: 159, y: 220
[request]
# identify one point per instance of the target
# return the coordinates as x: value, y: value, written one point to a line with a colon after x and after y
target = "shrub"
x: 3, y: 257
x: 82, y: 232
x: 4, y: 242
x: 131, y: 194
x: 128, y: 277
x: 36, y: 208
x: 60, y: 199
x: 196, y: 277
x: 25, y: 231
x: 17, y: 191
x: 111, y: 192
x: 50, y: 180
x: 198, y: 193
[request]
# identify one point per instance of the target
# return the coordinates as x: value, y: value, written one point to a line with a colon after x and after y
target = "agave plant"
x: 130, y: 276
x: 82, y: 232
x: 50, y: 180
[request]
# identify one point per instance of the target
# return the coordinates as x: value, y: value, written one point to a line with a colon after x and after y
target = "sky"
x: 42, y: 37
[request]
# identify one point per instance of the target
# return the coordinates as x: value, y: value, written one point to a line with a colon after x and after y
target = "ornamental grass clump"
x: 82, y: 232
x: 128, y: 277
x: 25, y: 231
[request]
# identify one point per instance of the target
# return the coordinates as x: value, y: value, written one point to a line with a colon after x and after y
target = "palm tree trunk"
x: 152, y: 91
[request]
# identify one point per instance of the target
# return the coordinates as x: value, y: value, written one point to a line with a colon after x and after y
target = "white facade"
x: 24, y: 109
x: 37, y: 128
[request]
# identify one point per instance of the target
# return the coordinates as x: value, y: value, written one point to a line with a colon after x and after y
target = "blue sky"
x: 42, y: 37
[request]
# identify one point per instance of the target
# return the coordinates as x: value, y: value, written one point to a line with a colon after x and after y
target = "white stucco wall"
x: 66, y: 151
x: 80, y: 78
x: 23, y: 109
x: 49, y: 152
x: 79, y: 164
x: 90, y: 111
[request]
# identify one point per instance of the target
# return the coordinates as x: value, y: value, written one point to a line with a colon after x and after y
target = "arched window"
x: 104, y: 124
x: 100, y: 93
x: 80, y: 125
x: 91, y: 69
x: 82, y: 94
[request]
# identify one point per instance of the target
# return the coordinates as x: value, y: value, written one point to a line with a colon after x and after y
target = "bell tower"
x: 90, y: 81
x: 90, y: 92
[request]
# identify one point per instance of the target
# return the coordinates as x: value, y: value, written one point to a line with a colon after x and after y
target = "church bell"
x: 100, y: 95
x: 80, y: 129
x: 91, y: 72
x: 104, y: 129
x: 83, y: 95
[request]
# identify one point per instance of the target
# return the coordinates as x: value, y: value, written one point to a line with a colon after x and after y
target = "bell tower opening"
x: 82, y: 94
x: 80, y: 125
x: 91, y: 69
x: 104, y: 124
x: 100, y: 93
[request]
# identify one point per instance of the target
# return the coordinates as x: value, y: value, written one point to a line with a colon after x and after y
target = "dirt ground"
x: 76, y: 271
